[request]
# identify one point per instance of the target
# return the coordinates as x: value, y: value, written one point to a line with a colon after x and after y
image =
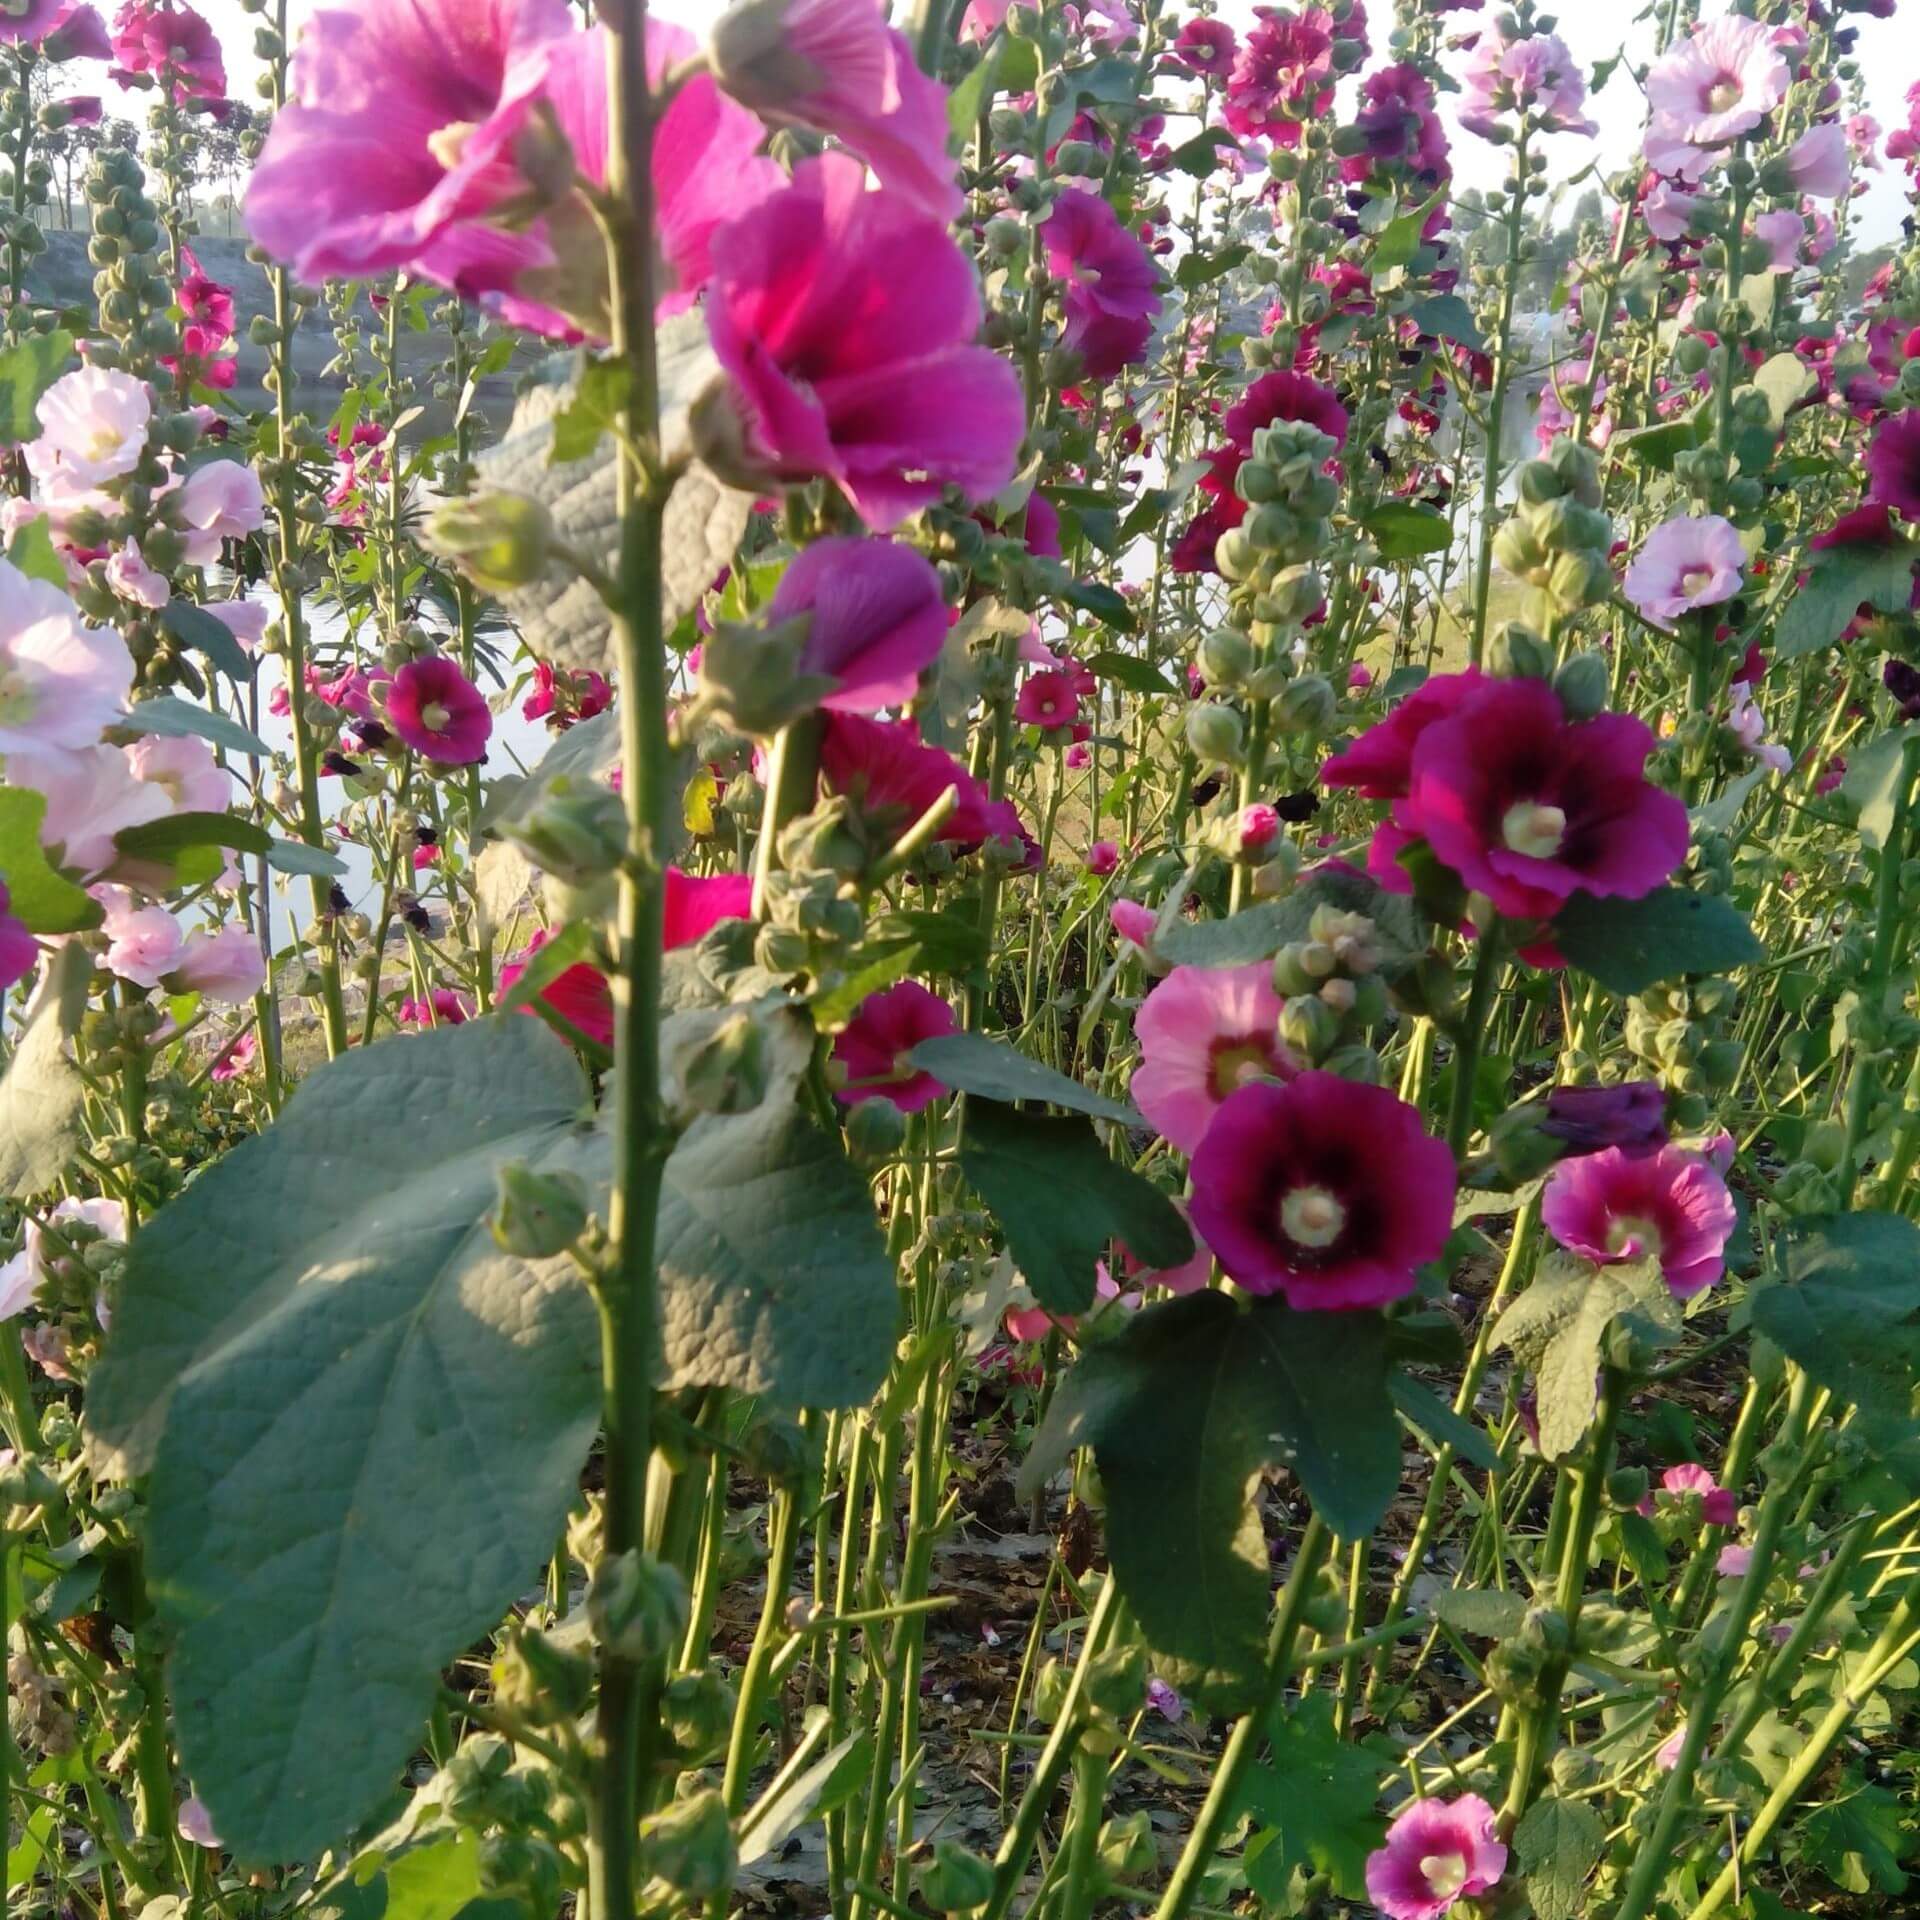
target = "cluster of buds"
x: 1332, y: 993
x: 1290, y: 498
x: 1558, y: 537
x: 1582, y: 680
x: 1683, y: 1032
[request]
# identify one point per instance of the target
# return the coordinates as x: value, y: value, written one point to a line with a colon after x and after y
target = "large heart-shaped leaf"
x: 1631, y: 945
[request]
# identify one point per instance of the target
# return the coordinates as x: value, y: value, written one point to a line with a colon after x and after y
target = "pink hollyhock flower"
x: 91, y: 794
x: 1863, y: 140
x: 19, y: 951
x: 1748, y: 726
x: 695, y: 905
x: 1817, y: 163
x: 143, y: 943
x: 1718, y: 83
x: 1669, y: 211
x: 225, y: 965
x: 583, y: 692
x: 1537, y: 73
x: 1078, y: 757
x: 218, y: 502
x: 1893, y: 464
x: 1530, y: 808
x: 173, y: 44
x: 1134, y: 923
x: 1670, y: 1206
x: 61, y: 681
x: 1111, y: 285
x: 31, y: 22
x: 1437, y: 1852
x: 837, y: 67
x: 1667, y: 1755
x: 246, y: 620
x: 1204, y: 1032
x: 82, y: 109
x: 1047, y: 700
x: 1692, y: 560
x: 1781, y: 231
x: 1256, y: 828
x: 1204, y: 46
x: 579, y: 994
x: 80, y: 34
x: 93, y: 429
x: 1189, y: 1276
x: 439, y: 712
x: 42, y: 1251
x: 872, y: 1051
x: 1734, y: 1563
x: 1035, y: 1323
x: 982, y: 20
x: 185, y: 771
x: 236, y: 1061
x: 1102, y: 858
x: 1400, y: 123
x: 1718, y: 1507
x: 846, y: 319
x: 1326, y: 1190
x: 440, y: 1008
x: 195, y: 1824
x: 893, y: 777
x: 1632, y: 1117
x: 204, y: 302
x: 1380, y: 763
x: 878, y: 619
x: 130, y: 578
x: 1283, y: 76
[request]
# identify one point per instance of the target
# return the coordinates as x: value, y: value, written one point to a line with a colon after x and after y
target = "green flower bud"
x: 1234, y: 554
x: 576, y: 829
x: 690, y: 1845
x: 1215, y: 732
x: 1518, y: 653
x: 1627, y: 1487
x: 956, y: 1879
x: 1116, y: 1680
x: 500, y: 541
x: 1582, y: 684
x: 537, y: 1215
x: 1520, y: 1150
x: 876, y: 1131
x: 1127, y: 1852
x: 638, y: 1606
x: 1050, y: 1691
x: 1225, y: 657
x: 1308, y: 706
x: 1308, y: 1026
x: 1574, y: 1769
x: 697, y: 1712
x: 539, y: 1677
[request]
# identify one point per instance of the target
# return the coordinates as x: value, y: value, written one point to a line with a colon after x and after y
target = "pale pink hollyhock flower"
x: 1733, y: 1563
x: 1782, y: 230
x: 1537, y: 73
x: 93, y: 429
x: 1035, y: 1323
x: 1134, y: 922
x: 143, y: 943
x: 1670, y: 1206
x: 1668, y: 210
x: 1437, y: 1852
x: 1204, y: 1032
x: 1863, y: 137
x: 61, y: 681
x: 48, y: 1347
x: 131, y: 578
x: 1102, y: 857
x: 1822, y: 235
x: 225, y: 965
x: 246, y: 620
x: 1692, y: 560
x: 219, y: 502
x: 196, y: 1823
x: 1667, y: 1755
x: 1749, y: 727
x: 91, y: 795
x: 24, y: 1272
x: 1675, y: 159
x: 185, y: 770
x: 1817, y: 162
x: 1719, y: 82
x: 439, y: 712
x: 1718, y: 1507
x: 872, y: 1053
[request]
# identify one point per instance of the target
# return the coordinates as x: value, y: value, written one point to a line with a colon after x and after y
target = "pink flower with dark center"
x: 1818, y: 162
x: 440, y: 1008
x: 878, y: 619
x: 19, y: 951
x: 846, y: 319
x: 438, y: 712
x: 1718, y: 1507
x: 1204, y: 46
x: 1672, y: 1206
x: 1536, y: 74
x: 1282, y: 76
x: 1689, y: 561
x: 1326, y: 1190
x: 872, y: 1051
x: 1437, y: 1852
x: 1718, y: 83
x: 893, y: 777
x: 1204, y: 1032
x: 1400, y: 124
x: 1893, y: 464
x: 1111, y: 285
x: 696, y: 904
x: 1047, y: 700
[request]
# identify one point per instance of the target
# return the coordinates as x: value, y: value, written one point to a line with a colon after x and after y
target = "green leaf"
x: 295, y: 856
x: 1060, y: 1197
x: 1200, y: 156
x: 1630, y: 945
x: 1559, y: 1843
x: 364, y: 1422
x: 1849, y: 1309
x: 774, y: 1277
x: 1657, y: 445
x: 1872, y: 781
x: 1130, y: 671
x: 27, y: 370
x: 168, y: 715
x: 43, y: 900
x: 1838, y: 583
x: 1857, y: 1836
x: 1441, y: 1424
x: 1486, y: 1616
x: 1403, y: 532
x: 1257, y: 933
x: 195, y: 627
x: 42, y: 1097
x: 190, y: 846
x: 1199, y: 269
x: 831, y: 1782
x: 1448, y: 316
x: 1316, y: 1805
x: 598, y: 393
x: 971, y: 97
x: 1106, y: 604
x: 32, y: 551
x: 1785, y: 380
x: 975, y: 1063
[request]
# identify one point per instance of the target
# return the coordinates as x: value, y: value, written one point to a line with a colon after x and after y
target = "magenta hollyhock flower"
x: 1111, y: 285
x: 1718, y: 1507
x: 1380, y: 763
x: 1102, y: 858
x: 236, y: 1061
x: 1893, y: 464
x: 1671, y: 1205
x: 846, y: 321
x: 697, y: 904
x: 893, y: 777
x: 1632, y: 1117
x: 1282, y: 76
x: 872, y: 1051
x: 1256, y: 828
x: 1692, y: 560
x: 439, y: 712
x: 19, y: 951
x: 1529, y: 808
x: 440, y: 1008
x: 1326, y: 1190
x: 1718, y: 83
x: 1818, y: 162
x: 29, y: 22
x: 579, y: 994
x: 1537, y: 73
x: 1284, y: 395
x: 1133, y: 922
x: 173, y: 44
x: 878, y: 618
x: 1204, y: 1032
x: 1047, y: 700
x: 1205, y: 47
x: 1399, y: 121
x: 1437, y: 1852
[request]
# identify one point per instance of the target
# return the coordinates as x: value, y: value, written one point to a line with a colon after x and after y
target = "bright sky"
x: 1592, y: 30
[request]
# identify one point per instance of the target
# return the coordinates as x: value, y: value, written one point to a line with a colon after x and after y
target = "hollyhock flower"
x: 218, y: 502
x: 439, y: 712
x: 1893, y: 464
x: 579, y: 994
x: 19, y: 951
x: 1529, y: 808
x: 1047, y: 700
x: 225, y: 965
x: 22, y: 1275
x: 1667, y: 1755
x: 1437, y: 1852
x: 1632, y: 1117
x: 982, y: 20
x: 1379, y: 764
x: 204, y: 302
x: 440, y: 1008
x: 1204, y: 46
x: 1781, y: 231
x: 1719, y: 82
x: 1748, y: 726
x: 1111, y: 286
x: 845, y: 320
x: 61, y: 681
x: 1282, y: 76
x: 1670, y: 1205
x: 129, y: 576
x: 872, y: 1051
x: 1668, y: 211
x: 585, y: 694
x: 877, y: 619
x: 1537, y: 73
x: 195, y: 1824
x: 185, y: 771
x: 837, y: 67
x: 1255, y: 828
x: 1324, y: 1189
x: 91, y: 795
x: 1822, y: 236
x: 1718, y: 1507
x: 1134, y: 923
x: 1692, y: 560
x: 1035, y: 1323
x: 1817, y: 163
x: 34, y: 23
x: 173, y: 44
x: 82, y: 109
x: 1164, y: 1701
x: 695, y: 904
x: 1734, y: 1563
x: 892, y: 776
x: 143, y: 943
x: 1204, y: 1032
x: 236, y: 1061
x: 93, y: 429
x: 1285, y: 395
x: 1400, y: 124
x: 246, y: 620
x: 1102, y: 858
x: 1863, y: 140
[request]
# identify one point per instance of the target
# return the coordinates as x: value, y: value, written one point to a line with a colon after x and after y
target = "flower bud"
x: 1582, y: 684
x: 537, y: 1215
x: 1308, y: 706
x: 727, y: 1071
x: 576, y: 830
x: 539, y: 1677
x: 956, y: 1879
x: 1519, y: 653
x: 1308, y: 1026
x: 690, y: 1845
x: 1116, y: 1680
x: 638, y: 1606
x: 750, y: 674
x: 1215, y: 732
x: 1627, y: 1487
x: 500, y: 541
x: 876, y: 1131
x: 696, y: 1710
x: 1225, y: 657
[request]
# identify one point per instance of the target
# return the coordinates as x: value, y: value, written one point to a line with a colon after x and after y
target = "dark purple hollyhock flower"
x: 1632, y: 1117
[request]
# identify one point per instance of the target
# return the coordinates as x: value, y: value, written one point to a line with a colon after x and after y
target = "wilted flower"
x: 872, y: 1051
x: 1670, y: 1205
x: 1203, y: 1033
x: 1437, y: 1852
x: 1632, y: 1117
x: 1687, y: 562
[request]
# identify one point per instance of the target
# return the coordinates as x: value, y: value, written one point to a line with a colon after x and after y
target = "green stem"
x: 1468, y: 1037
x: 783, y: 1540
